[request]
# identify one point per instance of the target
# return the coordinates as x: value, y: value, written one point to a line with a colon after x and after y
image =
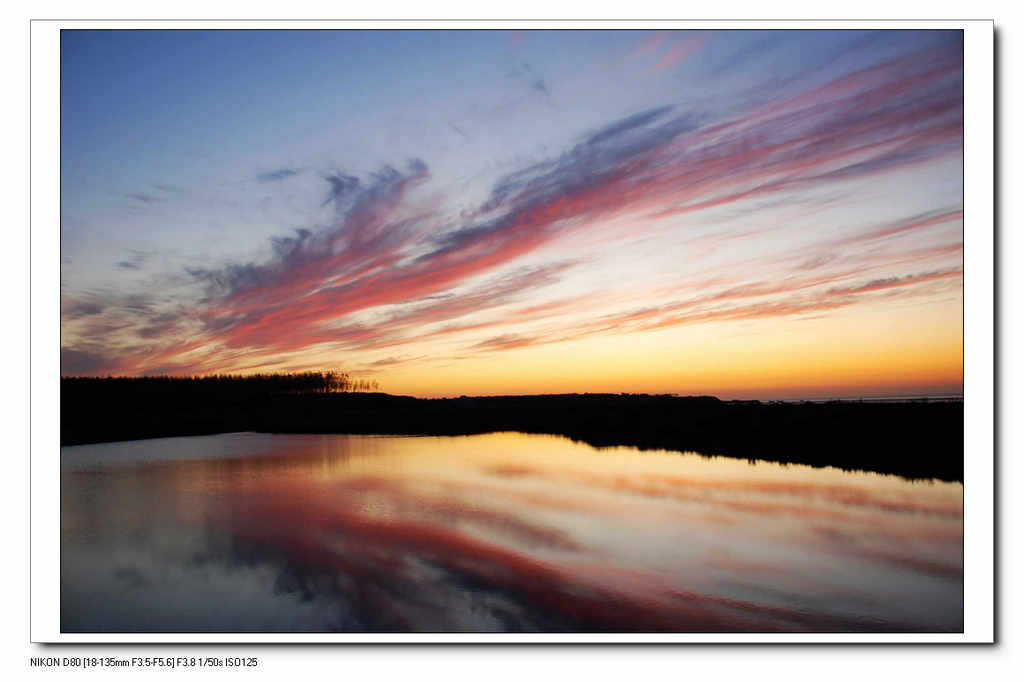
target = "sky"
x: 747, y: 214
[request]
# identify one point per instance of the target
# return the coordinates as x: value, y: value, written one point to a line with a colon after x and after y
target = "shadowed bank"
x: 915, y: 439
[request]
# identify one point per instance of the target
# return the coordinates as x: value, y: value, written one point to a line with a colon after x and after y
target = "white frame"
x: 978, y: 338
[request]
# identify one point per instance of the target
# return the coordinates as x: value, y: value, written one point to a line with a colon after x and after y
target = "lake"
x: 502, y: 532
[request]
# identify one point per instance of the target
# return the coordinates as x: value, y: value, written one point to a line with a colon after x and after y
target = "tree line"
x: 275, y: 383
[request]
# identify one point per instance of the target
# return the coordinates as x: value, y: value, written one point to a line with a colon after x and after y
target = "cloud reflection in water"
x: 500, y: 532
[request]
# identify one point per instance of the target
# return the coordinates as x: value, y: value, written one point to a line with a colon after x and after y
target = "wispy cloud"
x: 894, y: 282
x: 134, y: 262
x: 650, y: 44
x: 277, y: 174
x: 397, y: 265
x: 79, y: 362
x: 681, y: 51
x: 504, y: 342
x: 916, y: 222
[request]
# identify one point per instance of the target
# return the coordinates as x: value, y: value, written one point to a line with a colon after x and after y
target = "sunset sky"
x: 748, y: 214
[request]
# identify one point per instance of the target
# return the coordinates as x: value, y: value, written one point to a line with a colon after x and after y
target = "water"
x: 500, y: 532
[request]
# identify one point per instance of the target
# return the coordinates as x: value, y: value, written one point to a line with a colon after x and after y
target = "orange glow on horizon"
x: 831, y: 357
x: 807, y: 244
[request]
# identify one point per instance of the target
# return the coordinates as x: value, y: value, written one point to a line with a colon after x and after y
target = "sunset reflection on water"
x: 498, y: 532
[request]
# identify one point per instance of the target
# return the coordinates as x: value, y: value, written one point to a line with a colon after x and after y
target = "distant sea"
x: 943, y: 398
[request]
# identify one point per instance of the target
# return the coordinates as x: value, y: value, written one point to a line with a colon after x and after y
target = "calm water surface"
x: 500, y: 532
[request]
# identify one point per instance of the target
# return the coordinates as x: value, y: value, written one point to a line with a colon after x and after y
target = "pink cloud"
x: 650, y: 44
x: 681, y: 51
x: 384, y: 249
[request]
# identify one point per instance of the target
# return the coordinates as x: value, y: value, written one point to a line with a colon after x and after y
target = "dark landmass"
x: 915, y: 440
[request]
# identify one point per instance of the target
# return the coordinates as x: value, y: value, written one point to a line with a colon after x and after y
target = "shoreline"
x: 916, y: 440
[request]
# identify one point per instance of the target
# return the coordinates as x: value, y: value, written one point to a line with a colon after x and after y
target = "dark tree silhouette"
x: 239, y: 385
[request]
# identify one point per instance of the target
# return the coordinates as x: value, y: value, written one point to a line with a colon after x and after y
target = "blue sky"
x: 390, y: 202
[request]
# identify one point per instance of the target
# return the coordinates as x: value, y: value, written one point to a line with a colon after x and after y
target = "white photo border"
x: 979, y: 344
